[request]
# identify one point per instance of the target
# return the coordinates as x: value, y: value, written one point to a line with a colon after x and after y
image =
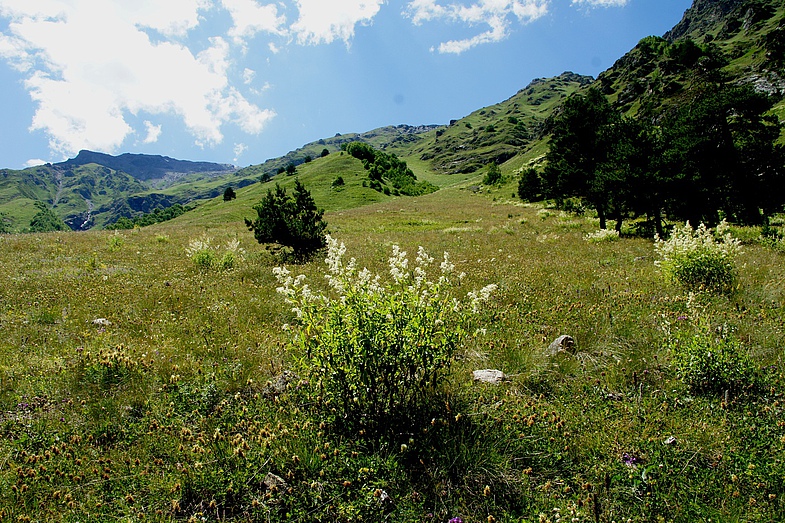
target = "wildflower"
x: 630, y: 460
x: 456, y: 520
x: 602, y: 235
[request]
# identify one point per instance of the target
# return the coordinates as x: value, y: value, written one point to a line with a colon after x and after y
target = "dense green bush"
x: 292, y: 221
x: 45, y: 220
x: 493, y: 176
x: 698, y: 258
x: 377, y: 352
x: 710, y: 360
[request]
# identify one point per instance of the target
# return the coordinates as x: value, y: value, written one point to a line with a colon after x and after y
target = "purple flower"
x: 681, y: 318
x: 630, y: 460
x: 456, y: 520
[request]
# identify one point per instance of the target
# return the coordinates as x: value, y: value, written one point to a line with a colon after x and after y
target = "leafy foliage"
x: 714, y: 155
x: 292, y: 221
x: 695, y: 259
x: 493, y: 176
x: 206, y: 256
x: 229, y: 194
x: 157, y: 216
x: 530, y: 185
x: 45, y: 220
x: 379, y: 352
x: 383, y: 167
x: 710, y: 360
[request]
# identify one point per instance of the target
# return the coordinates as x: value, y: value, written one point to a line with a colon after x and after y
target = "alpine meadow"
x: 565, y: 307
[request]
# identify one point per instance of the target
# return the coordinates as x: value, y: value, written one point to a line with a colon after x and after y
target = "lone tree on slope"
x: 290, y: 220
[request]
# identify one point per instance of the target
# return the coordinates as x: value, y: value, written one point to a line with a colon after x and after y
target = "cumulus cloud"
x: 248, y: 76
x: 323, y: 22
x: 250, y: 18
x: 153, y: 132
x: 601, y: 3
x: 239, y: 149
x: 35, y: 162
x: 90, y: 64
x: 498, y: 15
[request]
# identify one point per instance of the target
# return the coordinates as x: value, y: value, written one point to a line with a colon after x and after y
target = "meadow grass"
x: 164, y: 412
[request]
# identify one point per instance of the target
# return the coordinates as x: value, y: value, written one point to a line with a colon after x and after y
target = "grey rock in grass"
x: 279, y: 384
x: 563, y: 343
x: 492, y: 376
x: 101, y: 322
x: 271, y: 481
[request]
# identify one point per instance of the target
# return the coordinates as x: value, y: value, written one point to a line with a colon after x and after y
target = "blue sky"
x: 241, y: 81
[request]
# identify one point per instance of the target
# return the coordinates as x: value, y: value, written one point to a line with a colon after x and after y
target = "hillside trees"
x: 45, y: 220
x: 290, y: 220
x: 579, y: 146
x: 721, y: 156
x: 387, y: 168
x: 714, y: 156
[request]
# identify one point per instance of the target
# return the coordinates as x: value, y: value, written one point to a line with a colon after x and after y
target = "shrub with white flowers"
x: 699, y: 258
x: 207, y: 256
x: 376, y: 351
x: 602, y: 236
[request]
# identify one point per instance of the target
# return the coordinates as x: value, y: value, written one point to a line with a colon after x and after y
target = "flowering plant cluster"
x: 699, y: 258
x: 208, y: 257
x: 377, y: 350
x: 602, y: 235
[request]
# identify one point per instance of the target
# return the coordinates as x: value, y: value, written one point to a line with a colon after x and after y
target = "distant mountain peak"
x: 145, y: 166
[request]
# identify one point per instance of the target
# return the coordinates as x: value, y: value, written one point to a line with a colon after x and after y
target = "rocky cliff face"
x: 702, y: 17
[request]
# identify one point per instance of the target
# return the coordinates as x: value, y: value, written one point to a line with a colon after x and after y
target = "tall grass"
x: 166, y: 413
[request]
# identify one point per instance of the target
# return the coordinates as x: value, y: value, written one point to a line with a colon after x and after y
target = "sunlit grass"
x: 165, y: 413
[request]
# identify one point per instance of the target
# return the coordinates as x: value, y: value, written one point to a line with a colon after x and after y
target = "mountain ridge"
x: 744, y: 40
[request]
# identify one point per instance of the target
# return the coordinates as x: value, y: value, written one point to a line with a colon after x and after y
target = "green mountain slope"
x: 95, y: 189
x: 742, y: 40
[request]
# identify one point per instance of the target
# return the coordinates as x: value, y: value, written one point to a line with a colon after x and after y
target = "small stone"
x: 492, y: 376
x: 671, y: 440
x: 271, y: 480
x: 279, y: 384
x: 101, y: 322
x: 563, y: 343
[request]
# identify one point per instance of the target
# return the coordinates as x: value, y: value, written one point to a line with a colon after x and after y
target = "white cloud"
x: 250, y: 18
x: 153, y: 132
x: 248, y: 76
x: 88, y: 64
x: 601, y: 3
x: 239, y: 149
x: 324, y: 22
x: 35, y: 162
x: 497, y: 14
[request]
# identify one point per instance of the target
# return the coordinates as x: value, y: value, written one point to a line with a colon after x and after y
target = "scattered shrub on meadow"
x: 207, y: 257
x: 699, y: 259
x: 709, y: 360
x: 377, y: 352
x: 602, y: 236
x: 292, y: 221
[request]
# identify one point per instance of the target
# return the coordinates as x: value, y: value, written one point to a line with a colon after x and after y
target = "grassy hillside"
x: 75, y: 194
x: 162, y: 411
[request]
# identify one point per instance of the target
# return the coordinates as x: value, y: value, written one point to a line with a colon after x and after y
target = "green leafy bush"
x: 710, y: 360
x: 377, y: 352
x: 493, y: 176
x: 292, y: 221
x: 207, y: 257
x: 698, y: 260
